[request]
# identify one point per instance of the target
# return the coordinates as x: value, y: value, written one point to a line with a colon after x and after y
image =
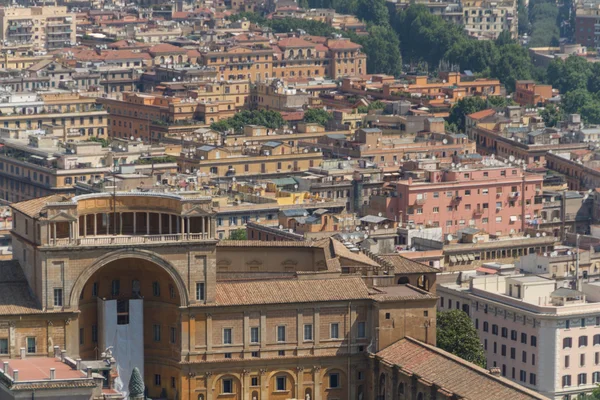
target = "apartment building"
x: 485, y: 19
x: 528, y: 93
x: 587, y: 32
x: 541, y: 334
x: 45, y: 27
x: 37, y: 163
x: 496, y: 198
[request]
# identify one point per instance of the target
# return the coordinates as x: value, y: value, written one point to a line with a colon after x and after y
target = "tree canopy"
x: 238, y: 234
x: 457, y: 335
x: 268, y: 118
x: 317, y: 115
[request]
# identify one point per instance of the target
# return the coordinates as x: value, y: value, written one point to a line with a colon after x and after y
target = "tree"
x: 382, y: 48
x: 267, y: 118
x: 374, y: 11
x: 551, y: 115
x: 504, y: 38
x: 238, y: 234
x: 513, y: 65
x: 456, y: 334
x: 464, y: 107
x: 317, y: 115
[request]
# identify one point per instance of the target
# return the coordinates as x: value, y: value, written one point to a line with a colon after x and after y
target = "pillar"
x: 170, y: 225
x: 134, y: 223
x: 299, y: 382
x: 107, y: 223
x: 246, y: 332
x: 299, y: 329
x: 159, y: 223
x: 12, y: 338
x: 85, y: 225
x: 48, y: 229
x: 147, y: 223
x: 209, y: 340
x: 54, y: 231
x: 120, y: 223
x: 317, y: 326
x: 188, y: 225
x: 203, y: 226
x: 95, y: 224
x: 317, y: 382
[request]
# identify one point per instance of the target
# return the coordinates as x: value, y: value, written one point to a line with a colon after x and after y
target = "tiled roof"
x: 451, y: 373
x: 403, y: 265
x: 125, y: 54
x: 400, y: 292
x: 166, y: 48
x: 294, y: 42
x: 285, y: 291
x: 482, y: 114
x: 15, y: 295
x: 32, y: 208
x: 342, y: 251
x: 342, y: 44
x: 260, y: 243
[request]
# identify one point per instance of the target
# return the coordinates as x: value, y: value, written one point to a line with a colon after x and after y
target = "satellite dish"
x: 453, y: 165
x: 280, y: 226
x: 379, y: 214
x: 511, y: 158
x: 445, y: 141
x: 449, y: 237
x: 474, y: 240
x: 537, y: 234
x: 545, y: 254
x: 569, y: 253
x: 528, y: 236
x: 544, y: 234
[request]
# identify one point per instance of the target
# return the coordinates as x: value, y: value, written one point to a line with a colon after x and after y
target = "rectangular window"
x: 335, y: 331
x: 280, y: 382
x: 582, y: 379
x: 254, y: 334
x: 227, y: 386
x: 567, y: 361
x: 173, y: 336
x: 567, y: 343
x: 254, y: 381
x: 533, y: 341
x: 157, y: 379
x: 582, y: 360
x: 3, y: 346
x: 227, y: 336
x: 116, y: 287
x: 513, y: 353
x: 281, y: 333
x: 532, y: 378
x: 200, y: 291
x: 156, y: 331
x: 95, y: 289
x: 524, y: 338
x: 523, y: 376
x: 308, y: 332
x: 583, y: 341
x: 361, y: 330
x: 334, y: 381
x: 513, y: 335
x: 58, y: 297
x: 31, y: 347
x: 155, y: 289
x: 566, y: 380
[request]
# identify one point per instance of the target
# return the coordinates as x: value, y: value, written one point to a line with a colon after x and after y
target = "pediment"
x: 254, y: 263
x: 196, y: 212
x: 62, y: 217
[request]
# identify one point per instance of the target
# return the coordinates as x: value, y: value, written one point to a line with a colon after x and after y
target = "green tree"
x: 457, y: 335
x: 551, y: 115
x: 317, y: 115
x: 475, y: 55
x: 267, y: 118
x: 382, y: 49
x: 238, y: 234
x: 513, y: 65
x: 504, y: 38
x: 374, y: 11
x: 464, y: 107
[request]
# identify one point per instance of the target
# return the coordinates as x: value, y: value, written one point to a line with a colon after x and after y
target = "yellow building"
x: 47, y: 27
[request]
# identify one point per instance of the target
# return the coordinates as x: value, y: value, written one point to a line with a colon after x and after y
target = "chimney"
x: 15, y: 375
x: 22, y: 353
x: 78, y: 364
x: 89, y: 372
x: 5, y: 369
x: 63, y: 355
x: 52, y: 373
x: 495, y: 371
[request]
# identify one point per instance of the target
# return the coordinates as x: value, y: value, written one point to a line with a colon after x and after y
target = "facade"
x: 586, y: 21
x: 497, y: 199
x: 529, y: 93
x: 45, y: 27
x: 204, y: 335
x: 485, y: 19
x: 543, y: 336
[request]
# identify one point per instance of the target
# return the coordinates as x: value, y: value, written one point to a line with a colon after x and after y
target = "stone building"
x: 233, y: 320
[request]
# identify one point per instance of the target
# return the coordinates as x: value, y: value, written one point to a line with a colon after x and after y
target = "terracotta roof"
x: 181, y: 14
x: 125, y: 54
x: 342, y: 44
x: 285, y: 291
x: 15, y: 296
x: 361, y: 258
x: 400, y: 292
x: 294, y: 42
x: 166, y: 48
x: 451, y: 373
x: 403, y: 265
x: 482, y: 114
x: 193, y: 53
x: 32, y: 207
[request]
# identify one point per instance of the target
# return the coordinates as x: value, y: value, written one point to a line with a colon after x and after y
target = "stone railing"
x: 124, y: 240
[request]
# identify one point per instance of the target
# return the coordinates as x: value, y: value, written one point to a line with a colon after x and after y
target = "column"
x: 209, y: 384
x: 209, y: 333
x: 317, y: 382
x: 159, y: 223
x: 264, y: 392
x: 134, y: 223
x: 95, y: 224
x: 85, y: 218
x: 54, y: 231
x: 299, y: 382
x: 316, y: 327
x: 246, y: 336
x: 203, y: 226
x: 147, y: 223
x: 12, y: 339
x: 246, y: 385
x: 120, y: 223
x: 48, y: 229
x: 170, y: 225
x: 263, y: 330
x: 187, y: 219
x: 107, y: 223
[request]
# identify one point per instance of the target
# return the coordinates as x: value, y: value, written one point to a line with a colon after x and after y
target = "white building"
x: 543, y: 337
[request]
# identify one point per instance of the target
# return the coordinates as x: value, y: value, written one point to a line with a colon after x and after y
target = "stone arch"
x: 237, y: 381
x: 291, y: 376
x: 403, y: 280
x: 381, y: 385
x: 152, y: 257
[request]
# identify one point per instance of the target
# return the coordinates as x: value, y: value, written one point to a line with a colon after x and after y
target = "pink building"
x: 495, y: 197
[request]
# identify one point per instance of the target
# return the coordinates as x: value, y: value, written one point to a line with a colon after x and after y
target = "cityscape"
x: 300, y: 200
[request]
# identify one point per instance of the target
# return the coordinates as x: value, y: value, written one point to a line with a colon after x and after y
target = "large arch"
x: 146, y: 255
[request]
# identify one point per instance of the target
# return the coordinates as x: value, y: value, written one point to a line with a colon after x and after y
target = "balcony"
x: 420, y: 202
x: 456, y: 199
x: 119, y: 240
x: 478, y: 212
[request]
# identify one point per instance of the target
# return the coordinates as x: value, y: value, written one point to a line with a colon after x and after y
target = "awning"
x: 460, y: 257
x: 485, y: 270
x: 452, y: 259
x: 513, y: 218
x: 471, y: 257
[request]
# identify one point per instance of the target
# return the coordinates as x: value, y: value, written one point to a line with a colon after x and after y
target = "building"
x: 496, y: 198
x: 538, y: 333
x: 586, y: 19
x: 485, y: 19
x: 202, y: 334
x: 45, y: 27
x: 529, y: 93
